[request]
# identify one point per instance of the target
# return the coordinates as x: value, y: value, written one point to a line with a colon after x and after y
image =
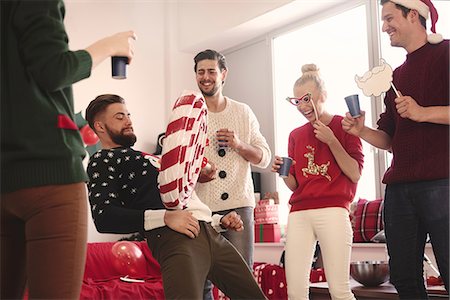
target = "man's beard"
x: 210, y: 93
x: 125, y: 140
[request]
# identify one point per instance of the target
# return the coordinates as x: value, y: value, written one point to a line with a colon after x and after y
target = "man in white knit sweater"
x: 235, y: 143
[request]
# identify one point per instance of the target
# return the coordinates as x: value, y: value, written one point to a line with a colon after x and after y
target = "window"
x: 338, y: 46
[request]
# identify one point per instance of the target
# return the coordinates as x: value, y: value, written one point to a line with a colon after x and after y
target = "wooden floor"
x: 319, y: 291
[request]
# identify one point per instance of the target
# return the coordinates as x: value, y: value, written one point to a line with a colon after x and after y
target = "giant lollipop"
x: 183, y: 150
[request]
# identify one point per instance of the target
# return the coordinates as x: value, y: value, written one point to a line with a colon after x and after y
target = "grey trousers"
x: 244, y: 240
x: 186, y: 263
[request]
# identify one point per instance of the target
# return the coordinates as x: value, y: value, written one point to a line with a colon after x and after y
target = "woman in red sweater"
x: 323, y: 178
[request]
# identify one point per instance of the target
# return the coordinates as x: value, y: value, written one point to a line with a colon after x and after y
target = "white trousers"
x: 331, y: 227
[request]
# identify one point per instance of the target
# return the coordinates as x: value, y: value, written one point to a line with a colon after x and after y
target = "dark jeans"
x: 411, y: 211
x: 186, y: 264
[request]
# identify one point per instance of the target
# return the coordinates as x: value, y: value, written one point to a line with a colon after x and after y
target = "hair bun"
x: 310, y: 68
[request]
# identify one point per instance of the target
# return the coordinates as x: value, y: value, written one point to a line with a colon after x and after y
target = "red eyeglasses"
x: 296, y: 101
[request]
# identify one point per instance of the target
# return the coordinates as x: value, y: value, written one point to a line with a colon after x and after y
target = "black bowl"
x: 370, y: 273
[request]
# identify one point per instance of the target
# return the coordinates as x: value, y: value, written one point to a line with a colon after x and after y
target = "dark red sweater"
x: 321, y: 183
x: 420, y: 150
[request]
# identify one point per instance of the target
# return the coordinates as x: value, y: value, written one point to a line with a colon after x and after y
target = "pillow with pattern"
x: 367, y: 220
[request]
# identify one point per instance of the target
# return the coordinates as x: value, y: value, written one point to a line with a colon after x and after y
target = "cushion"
x: 367, y: 220
x: 102, y: 280
x: 99, y: 261
x: 152, y: 288
x: 272, y: 280
x: 100, y: 266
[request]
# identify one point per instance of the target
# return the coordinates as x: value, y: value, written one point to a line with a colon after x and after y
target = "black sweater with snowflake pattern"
x: 123, y: 184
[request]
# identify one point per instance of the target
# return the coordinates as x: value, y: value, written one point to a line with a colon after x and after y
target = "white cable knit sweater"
x: 235, y: 189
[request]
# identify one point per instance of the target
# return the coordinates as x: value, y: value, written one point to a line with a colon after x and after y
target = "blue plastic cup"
x: 285, y: 167
x: 353, y: 105
x: 119, y: 67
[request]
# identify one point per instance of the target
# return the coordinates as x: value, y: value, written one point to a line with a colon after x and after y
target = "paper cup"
x: 353, y: 105
x: 285, y: 167
x: 119, y: 67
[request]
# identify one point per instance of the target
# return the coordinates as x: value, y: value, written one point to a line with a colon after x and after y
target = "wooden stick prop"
x: 315, y: 110
x: 395, y: 89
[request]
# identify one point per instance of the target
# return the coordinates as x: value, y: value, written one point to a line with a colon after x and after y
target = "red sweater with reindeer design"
x: 321, y: 183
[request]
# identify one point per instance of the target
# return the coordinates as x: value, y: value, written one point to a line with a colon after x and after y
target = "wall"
x: 144, y: 89
x: 250, y: 81
x: 221, y: 24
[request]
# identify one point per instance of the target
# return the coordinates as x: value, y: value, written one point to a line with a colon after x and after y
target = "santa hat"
x: 425, y: 8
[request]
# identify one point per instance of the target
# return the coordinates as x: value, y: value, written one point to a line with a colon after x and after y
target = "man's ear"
x: 99, y: 126
x: 224, y: 75
x: 414, y: 15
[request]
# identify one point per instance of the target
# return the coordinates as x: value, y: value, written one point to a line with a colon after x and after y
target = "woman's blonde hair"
x: 310, y: 72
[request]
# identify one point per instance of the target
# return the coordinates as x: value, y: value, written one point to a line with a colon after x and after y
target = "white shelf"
x: 368, y: 245
x: 269, y: 245
x: 271, y: 252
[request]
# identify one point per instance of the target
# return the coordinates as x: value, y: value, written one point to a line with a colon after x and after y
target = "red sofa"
x: 102, y: 280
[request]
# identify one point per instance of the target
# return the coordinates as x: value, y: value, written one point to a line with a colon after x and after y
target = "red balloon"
x: 128, y: 259
x: 89, y: 136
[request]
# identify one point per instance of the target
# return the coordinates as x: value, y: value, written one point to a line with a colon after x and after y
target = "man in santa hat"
x: 415, y: 127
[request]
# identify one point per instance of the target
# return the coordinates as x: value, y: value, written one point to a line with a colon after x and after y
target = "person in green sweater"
x: 43, y: 191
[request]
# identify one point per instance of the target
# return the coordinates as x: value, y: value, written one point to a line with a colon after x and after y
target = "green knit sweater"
x: 40, y: 143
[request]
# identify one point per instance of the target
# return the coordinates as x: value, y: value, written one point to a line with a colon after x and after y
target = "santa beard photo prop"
x: 183, y: 150
x: 377, y: 81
